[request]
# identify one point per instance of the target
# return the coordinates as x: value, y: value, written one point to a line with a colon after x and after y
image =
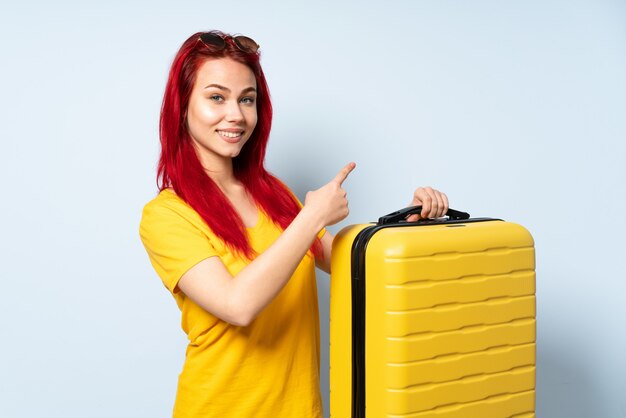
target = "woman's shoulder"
x: 166, y: 204
x: 167, y: 198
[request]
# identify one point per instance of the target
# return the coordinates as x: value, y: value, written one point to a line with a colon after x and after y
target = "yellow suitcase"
x: 432, y: 319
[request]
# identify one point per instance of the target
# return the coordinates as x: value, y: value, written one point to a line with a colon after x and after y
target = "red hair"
x: 180, y: 168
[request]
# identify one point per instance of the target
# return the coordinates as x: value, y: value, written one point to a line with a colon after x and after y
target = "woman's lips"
x: 231, y: 136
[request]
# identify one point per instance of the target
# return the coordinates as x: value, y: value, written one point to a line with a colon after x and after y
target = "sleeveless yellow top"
x: 267, y: 369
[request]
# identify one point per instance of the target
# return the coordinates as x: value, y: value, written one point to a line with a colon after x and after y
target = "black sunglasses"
x: 243, y: 42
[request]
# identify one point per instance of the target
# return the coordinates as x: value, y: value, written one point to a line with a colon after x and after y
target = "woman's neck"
x: 219, y: 169
x: 221, y: 172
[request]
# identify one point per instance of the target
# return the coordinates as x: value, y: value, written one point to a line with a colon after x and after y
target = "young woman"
x: 232, y: 243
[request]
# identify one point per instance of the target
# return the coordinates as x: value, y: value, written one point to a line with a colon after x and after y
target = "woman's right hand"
x: 329, y: 203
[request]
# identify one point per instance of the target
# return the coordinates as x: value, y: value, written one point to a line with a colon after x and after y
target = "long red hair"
x: 180, y: 168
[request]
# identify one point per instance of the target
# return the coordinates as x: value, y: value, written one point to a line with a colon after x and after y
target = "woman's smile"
x: 230, y: 135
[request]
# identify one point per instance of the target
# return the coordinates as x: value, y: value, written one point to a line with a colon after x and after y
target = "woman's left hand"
x: 434, y: 203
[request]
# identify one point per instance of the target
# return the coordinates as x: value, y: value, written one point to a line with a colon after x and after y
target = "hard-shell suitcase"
x: 432, y: 319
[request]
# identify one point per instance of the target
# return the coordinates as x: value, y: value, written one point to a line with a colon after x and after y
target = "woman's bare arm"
x: 239, y: 299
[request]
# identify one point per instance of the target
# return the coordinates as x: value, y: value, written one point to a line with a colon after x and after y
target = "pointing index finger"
x: 343, y: 174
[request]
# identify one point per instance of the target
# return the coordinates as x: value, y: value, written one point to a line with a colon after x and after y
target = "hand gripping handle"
x: 400, y: 215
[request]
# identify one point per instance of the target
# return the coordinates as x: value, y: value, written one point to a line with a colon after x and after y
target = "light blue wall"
x: 516, y: 109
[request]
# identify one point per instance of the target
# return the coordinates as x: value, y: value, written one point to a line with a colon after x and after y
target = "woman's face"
x: 221, y: 114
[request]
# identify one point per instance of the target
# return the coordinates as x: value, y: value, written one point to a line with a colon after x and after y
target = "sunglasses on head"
x: 243, y: 42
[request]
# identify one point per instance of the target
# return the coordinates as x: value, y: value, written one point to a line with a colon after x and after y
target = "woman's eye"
x: 217, y: 98
x: 247, y: 100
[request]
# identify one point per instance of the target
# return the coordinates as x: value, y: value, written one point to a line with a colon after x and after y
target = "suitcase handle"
x: 400, y: 215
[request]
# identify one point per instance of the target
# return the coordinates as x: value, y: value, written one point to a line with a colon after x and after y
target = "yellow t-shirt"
x: 267, y: 369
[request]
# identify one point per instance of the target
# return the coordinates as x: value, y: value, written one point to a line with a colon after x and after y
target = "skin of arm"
x: 323, y: 263
x: 238, y: 300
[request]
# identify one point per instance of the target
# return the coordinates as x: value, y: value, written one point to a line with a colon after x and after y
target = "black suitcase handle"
x: 400, y: 215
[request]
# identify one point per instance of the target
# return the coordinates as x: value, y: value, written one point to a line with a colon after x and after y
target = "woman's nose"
x: 234, y: 113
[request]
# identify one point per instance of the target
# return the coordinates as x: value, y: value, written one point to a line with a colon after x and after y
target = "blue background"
x: 516, y: 109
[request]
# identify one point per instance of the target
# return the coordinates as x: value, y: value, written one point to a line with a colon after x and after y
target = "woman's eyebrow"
x: 218, y: 86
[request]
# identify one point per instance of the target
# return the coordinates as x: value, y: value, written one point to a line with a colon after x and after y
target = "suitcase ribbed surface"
x: 449, y: 327
x: 450, y: 322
